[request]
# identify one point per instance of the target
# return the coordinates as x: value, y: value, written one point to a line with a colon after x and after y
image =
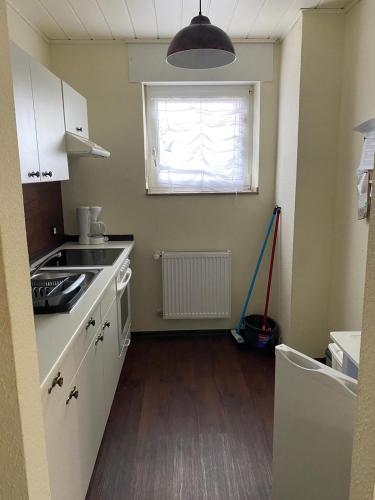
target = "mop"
x: 237, y: 331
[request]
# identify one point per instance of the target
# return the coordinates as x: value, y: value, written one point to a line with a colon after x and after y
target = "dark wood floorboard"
x: 191, y: 420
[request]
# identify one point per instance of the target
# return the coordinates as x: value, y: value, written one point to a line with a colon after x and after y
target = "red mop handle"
x: 271, y: 268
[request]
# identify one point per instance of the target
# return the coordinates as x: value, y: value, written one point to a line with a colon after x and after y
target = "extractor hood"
x: 80, y: 146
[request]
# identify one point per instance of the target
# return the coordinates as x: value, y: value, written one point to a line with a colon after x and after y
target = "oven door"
x: 123, y: 309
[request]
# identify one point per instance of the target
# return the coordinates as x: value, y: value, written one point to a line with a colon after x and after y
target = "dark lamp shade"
x: 201, y: 45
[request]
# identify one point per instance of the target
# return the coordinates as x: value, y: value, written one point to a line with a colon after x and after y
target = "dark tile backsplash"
x: 43, y: 210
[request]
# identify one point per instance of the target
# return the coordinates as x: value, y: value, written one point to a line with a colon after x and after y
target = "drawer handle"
x: 99, y: 339
x: 47, y: 173
x: 58, y: 380
x: 74, y: 393
x: 91, y: 322
x: 79, y: 129
x: 33, y: 174
x: 107, y: 324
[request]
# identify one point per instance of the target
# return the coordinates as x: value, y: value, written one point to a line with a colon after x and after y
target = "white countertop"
x: 55, y: 333
x: 350, y: 343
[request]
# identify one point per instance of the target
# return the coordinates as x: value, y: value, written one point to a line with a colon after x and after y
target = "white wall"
x: 357, y: 105
x: 202, y: 222
x: 21, y: 33
x: 290, y: 70
x: 307, y: 159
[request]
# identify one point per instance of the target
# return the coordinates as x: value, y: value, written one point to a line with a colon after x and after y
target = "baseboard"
x: 181, y: 333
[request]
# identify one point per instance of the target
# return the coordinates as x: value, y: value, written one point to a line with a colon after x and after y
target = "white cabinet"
x: 49, y: 122
x: 40, y: 120
x: 25, y: 120
x: 75, y: 110
x: 91, y: 420
x: 111, y: 362
x: 74, y: 422
x: 77, y: 400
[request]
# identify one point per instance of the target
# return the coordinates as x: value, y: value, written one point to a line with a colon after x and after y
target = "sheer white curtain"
x: 198, y: 139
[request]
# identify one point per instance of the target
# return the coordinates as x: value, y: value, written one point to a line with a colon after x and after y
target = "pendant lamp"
x: 201, y: 45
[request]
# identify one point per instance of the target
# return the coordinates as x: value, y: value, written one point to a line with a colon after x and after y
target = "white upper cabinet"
x: 75, y: 109
x: 49, y: 122
x: 25, y: 119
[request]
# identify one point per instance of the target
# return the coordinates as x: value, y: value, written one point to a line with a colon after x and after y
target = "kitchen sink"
x: 59, y: 291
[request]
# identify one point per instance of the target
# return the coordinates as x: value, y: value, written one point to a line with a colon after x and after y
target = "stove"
x: 85, y: 257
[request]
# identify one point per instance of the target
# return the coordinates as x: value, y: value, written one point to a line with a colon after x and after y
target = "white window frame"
x: 220, y: 89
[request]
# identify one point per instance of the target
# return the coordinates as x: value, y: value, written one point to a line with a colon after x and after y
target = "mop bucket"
x: 259, y: 338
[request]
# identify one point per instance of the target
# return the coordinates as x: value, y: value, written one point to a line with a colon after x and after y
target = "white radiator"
x: 196, y: 285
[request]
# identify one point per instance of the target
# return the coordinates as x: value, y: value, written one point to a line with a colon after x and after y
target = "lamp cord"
x: 200, y: 7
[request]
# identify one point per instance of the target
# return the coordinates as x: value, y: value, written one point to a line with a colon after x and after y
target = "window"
x: 198, y: 139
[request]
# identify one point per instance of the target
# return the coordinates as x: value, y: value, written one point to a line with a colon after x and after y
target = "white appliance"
x: 337, y: 356
x: 91, y: 230
x: 123, y: 305
x: 97, y: 227
x: 313, y: 429
x: 83, y: 218
x: 80, y: 146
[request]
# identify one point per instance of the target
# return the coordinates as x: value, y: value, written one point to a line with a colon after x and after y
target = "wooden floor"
x: 191, y: 420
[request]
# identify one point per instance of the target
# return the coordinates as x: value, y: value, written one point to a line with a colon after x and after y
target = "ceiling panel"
x: 169, y: 17
x: 34, y: 12
x: 142, y: 13
x: 285, y: 21
x: 244, y: 16
x: 270, y: 13
x: 117, y: 15
x: 221, y: 12
x: 123, y: 19
x: 92, y: 18
x: 66, y: 18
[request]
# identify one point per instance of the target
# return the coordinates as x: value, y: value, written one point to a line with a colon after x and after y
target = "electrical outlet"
x: 54, y: 230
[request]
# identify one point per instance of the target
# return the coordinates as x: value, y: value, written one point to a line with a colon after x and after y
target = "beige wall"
x: 307, y: 159
x: 203, y: 222
x: 363, y: 468
x: 358, y: 104
x: 23, y: 471
x: 290, y: 70
x: 27, y: 38
x: 321, y: 65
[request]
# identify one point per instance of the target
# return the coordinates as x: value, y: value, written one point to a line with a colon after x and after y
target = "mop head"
x: 238, y: 338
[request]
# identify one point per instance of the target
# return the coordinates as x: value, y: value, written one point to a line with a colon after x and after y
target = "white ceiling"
x: 125, y: 19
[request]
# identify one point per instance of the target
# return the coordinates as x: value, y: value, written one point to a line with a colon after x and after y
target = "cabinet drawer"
x: 69, y: 365
x: 108, y: 297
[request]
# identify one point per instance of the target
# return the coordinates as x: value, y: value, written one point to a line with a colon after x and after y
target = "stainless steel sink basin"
x: 58, y: 291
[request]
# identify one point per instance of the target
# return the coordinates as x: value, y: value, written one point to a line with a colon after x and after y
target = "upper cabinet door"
x: 24, y: 107
x: 75, y: 109
x: 49, y: 122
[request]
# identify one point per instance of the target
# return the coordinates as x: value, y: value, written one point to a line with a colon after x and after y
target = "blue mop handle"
x: 260, y: 258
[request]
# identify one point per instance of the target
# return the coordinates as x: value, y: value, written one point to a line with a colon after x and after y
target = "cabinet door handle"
x: 100, y: 338
x: 47, y: 173
x: 107, y: 324
x: 79, y: 129
x: 74, y: 393
x: 91, y: 322
x: 58, y: 380
x: 33, y: 174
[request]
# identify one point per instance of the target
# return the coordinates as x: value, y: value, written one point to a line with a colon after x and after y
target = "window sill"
x: 202, y: 193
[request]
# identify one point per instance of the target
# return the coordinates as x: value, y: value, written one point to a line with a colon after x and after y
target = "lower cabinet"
x: 75, y: 414
x: 74, y: 426
x: 111, y: 365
